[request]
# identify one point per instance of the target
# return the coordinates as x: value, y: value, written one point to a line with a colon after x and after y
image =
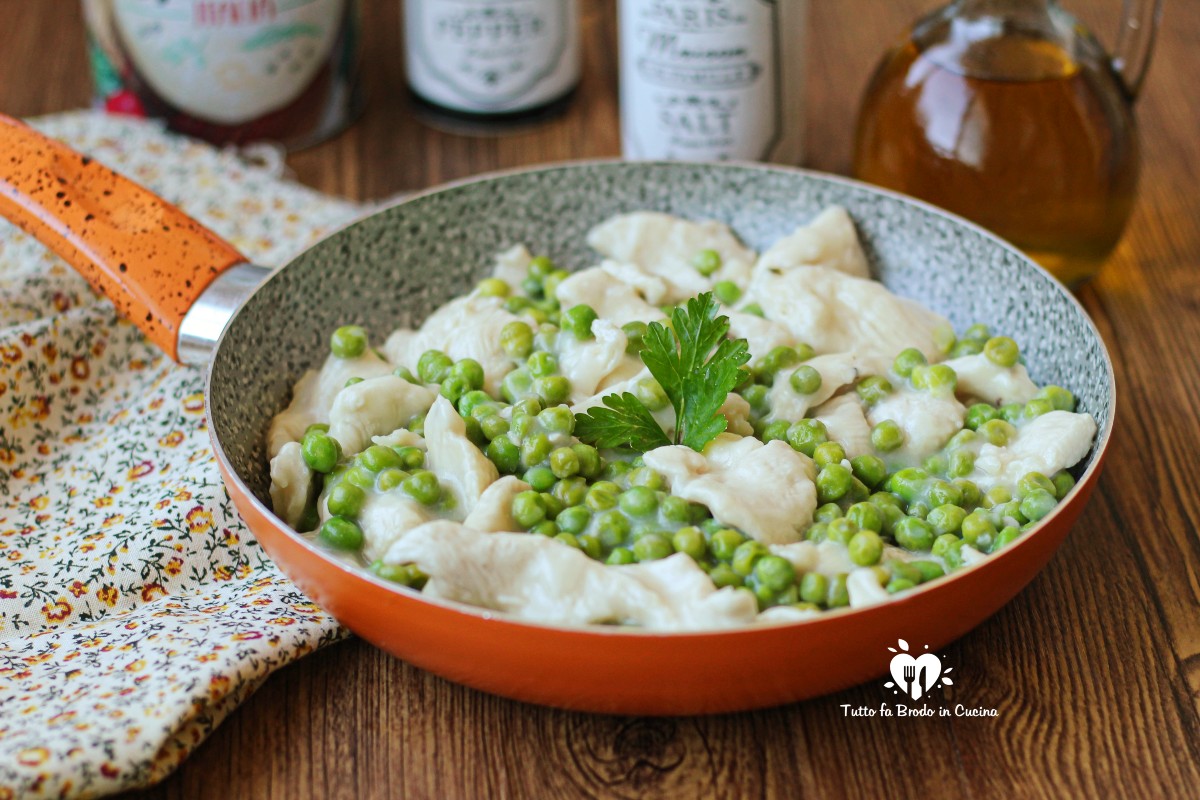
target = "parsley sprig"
x: 697, y: 367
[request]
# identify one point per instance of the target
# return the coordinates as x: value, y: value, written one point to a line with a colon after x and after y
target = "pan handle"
x: 151, y: 259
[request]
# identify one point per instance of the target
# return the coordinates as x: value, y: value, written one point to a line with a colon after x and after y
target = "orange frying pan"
x: 197, y: 298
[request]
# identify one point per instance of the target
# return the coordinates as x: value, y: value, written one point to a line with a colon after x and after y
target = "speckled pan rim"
x: 1090, y: 474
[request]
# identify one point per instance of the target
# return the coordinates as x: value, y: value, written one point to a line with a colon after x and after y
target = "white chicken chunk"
x: 375, y: 407
x: 837, y: 313
x: 459, y: 465
x: 1046, y: 444
x: 927, y: 419
x: 652, y: 288
x: 979, y: 376
x: 587, y: 362
x: 385, y: 518
x: 291, y: 484
x: 493, y: 512
x: 401, y: 437
x: 864, y: 589
x: 761, y: 335
x: 609, y: 296
x: 830, y: 240
x: 313, y: 395
x: 846, y: 424
x: 538, y: 579
x: 766, y: 490
x: 468, y: 327
x: 836, y: 370
x: 664, y: 245
x: 512, y: 265
x: 736, y: 410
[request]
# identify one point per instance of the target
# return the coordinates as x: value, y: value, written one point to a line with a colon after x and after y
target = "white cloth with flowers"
x: 136, y: 610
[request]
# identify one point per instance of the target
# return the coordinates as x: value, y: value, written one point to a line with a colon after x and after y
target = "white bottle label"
x: 228, y: 61
x: 709, y: 80
x: 492, y: 56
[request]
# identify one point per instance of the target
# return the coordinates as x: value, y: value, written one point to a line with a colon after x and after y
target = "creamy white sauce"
x: 979, y: 377
x: 1046, y: 444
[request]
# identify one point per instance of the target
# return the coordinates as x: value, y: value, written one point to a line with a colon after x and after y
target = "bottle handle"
x: 1135, y: 44
x: 152, y: 260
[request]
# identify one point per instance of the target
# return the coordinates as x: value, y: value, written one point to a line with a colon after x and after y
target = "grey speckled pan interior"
x: 394, y: 268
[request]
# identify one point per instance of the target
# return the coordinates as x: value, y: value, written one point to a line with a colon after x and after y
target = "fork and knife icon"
x: 916, y: 688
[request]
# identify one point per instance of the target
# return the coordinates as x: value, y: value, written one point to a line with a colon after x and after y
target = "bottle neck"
x: 1000, y: 39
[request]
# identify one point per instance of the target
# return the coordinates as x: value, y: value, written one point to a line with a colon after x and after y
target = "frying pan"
x: 197, y: 298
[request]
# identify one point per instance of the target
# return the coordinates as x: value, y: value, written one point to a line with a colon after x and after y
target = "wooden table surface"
x: 1095, y: 667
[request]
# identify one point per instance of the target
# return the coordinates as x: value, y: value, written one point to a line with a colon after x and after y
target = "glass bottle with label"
x: 492, y: 60
x: 713, y: 80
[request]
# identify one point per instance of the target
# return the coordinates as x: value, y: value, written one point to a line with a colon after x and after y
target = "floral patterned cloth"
x: 136, y: 610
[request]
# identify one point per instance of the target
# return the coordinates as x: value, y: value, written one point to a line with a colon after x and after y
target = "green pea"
x: 319, y: 427
x: 578, y: 321
x: 612, y: 527
x: 552, y: 281
x: 378, y: 458
x: 517, y: 339
x: 341, y: 534
x: 634, y: 332
x: 410, y: 457
x: 553, y: 389
x: 1037, y: 407
x: 530, y: 406
x: 493, y: 426
x: 814, y: 588
x: 997, y: 496
x: 833, y: 481
x: 724, y: 543
x: 966, y: 347
x: 943, y: 492
x: 644, y: 476
x: 755, y: 309
x: 690, y: 540
x: 936, y: 464
x: 1002, y: 351
x: 941, y: 379
x: 929, y: 570
x: 874, y: 388
x: 493, y: 287
x: 774, y: 573
x: 896, y: 585
x: 908, y: 484
x: 540, y: 267
x: 535, y: 449
x: 516, y: 385
x: 828, y: 453
x: 806, y: 434
x: 839, y: 594
x: 723, y: 575
x: 638, y: 501
x: 675, y: 510
x: 351, y: 382
x: 1031, y: 481
x: 944, y: 338
x: 914, y: 534
x: 944, y: 544
x: 348, y: 341
x: 756, y: 395
x: 1037, y: 504
x: 977, y: 333
x: 887, y: 436
x: 422, y: 487
x: 998, y: 432
x: 403, y: 574
x: 971, y: 495
x: 727, y: 292
x: 540, y: 478
x: 827, y: 512
x: 777, y: 358
x: 532, y: 286
x: 563, y: 462
x: 866, y: 548
x: 1060, y: 398
x: 805, y: 380
x: 1063, y: 483
x: 651, y: 547
x: 962, y: 463
x: 707, y: 262
x: 775, y: 430
x: 906, y: 360
x: 470, y: 371
x: 547, y: 527
x: 616, y: 469
x: 887, y: 499
x: 528, y: 509
x: 620, y: 556
x: 1007, y: 536
x: 589, y: 460
x: 434, y: 366
x: 574, y: 519
x: 869, y: 469
x: 390, y: 478
x: 321, y: 452
x: 840, y: 530
x: 865, y: 516
x: 345, y: 499
x: 818, y: 532
x: 946, y: 518
x: 556, y: 419
x: 515, y: 304
x: 453, y: 387
x: 977, y: 526
x: 746, y: 555
x: 571, y: 491
x: 601, y: 499
x: 978, y: 414
x: 651, y: 394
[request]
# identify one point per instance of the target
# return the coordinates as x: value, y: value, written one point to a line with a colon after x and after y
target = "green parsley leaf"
x: 625, y: 422
x: 696, y: 377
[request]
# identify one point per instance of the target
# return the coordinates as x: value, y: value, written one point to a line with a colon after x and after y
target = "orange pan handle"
x: 151, y: 259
